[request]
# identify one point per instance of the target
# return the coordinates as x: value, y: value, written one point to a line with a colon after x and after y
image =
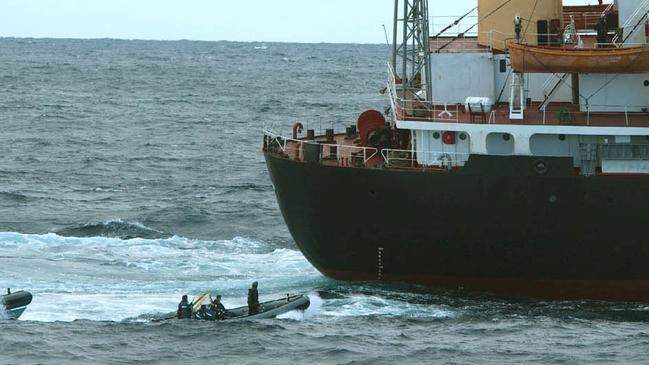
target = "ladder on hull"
x: 588, y: 152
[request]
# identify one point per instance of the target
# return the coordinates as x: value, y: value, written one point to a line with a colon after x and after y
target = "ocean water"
x: 131, y: 173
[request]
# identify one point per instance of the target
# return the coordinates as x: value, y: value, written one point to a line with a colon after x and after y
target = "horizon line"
x: 186, y: 40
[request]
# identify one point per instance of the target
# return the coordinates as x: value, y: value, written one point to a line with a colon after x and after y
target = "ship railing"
x: 499, y: 40
x: 495, y: 39
x: 621, y: 45
x: 624, y: 151
x: 417, y: 108
x: 488, y: 41
x: 295, y: 148
x: 635, y: 22
x: 464, y: 26
x: 631, y: 113
x: 492, y: 117
x: 584, y: 20
x: 319, y: 125
x: 466, y: 44
x: 341, y: 151
x: 412, y: 158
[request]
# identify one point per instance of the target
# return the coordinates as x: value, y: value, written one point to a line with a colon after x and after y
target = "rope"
x: 461, y: 35
x: 613, y: 79
x: 587, y: 99
x: 454, y: 23
x: 504, y: 86
x: 555, y: 75
x: 635, y: 28
x: 536, y: 2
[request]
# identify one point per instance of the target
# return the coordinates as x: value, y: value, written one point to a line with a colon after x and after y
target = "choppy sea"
x: 131, y: 173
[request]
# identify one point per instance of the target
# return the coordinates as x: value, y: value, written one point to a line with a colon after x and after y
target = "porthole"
x: 646, y: 83
x: 463, y: 136
x: 507, y: 137
x: 436, y: 135
x: 562, y: 137
x: 540, y: 167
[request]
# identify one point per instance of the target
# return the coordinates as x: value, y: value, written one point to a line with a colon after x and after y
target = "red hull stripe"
x: 610, y: 290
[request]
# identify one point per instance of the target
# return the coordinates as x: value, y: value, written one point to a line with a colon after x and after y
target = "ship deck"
x: 470, y: 44
x: 555, y: 114
x: 341, y: 151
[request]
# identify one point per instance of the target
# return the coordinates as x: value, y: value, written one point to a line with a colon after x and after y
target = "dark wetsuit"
x: 210, y: 315
x: 201, y: 312
x: 219, y: 310
x: 253, y: 301
x: 184, y: 310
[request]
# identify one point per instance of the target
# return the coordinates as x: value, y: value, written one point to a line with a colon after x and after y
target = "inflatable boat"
x: 14, y: 304
x: 270, y: 309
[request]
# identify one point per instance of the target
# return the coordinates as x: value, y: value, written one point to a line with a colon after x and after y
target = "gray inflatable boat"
x: 271, y: 309
x: 266, y: 310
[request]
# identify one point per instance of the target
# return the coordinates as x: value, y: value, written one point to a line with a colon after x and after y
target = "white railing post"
x: 491, y: 40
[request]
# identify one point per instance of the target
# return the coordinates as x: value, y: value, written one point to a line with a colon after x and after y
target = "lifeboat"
x: 534, y: 59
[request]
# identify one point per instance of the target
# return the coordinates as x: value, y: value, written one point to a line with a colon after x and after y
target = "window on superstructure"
x: 542, y: 30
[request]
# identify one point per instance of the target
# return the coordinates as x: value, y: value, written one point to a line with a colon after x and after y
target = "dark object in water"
x: 270, y: 309
x: 14, y: 304
x: 265, y: 310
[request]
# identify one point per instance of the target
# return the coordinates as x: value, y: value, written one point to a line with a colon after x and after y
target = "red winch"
x: 369, y: 123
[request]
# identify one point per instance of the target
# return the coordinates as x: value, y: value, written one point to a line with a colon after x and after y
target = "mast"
x: 411, y: 57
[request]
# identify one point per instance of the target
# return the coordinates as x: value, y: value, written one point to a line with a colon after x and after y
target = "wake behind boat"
x: 14, y: 304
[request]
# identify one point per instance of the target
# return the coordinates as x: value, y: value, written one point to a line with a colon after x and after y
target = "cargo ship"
x: 513, y: 159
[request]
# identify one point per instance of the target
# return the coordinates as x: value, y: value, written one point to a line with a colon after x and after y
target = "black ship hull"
x: 499, y: 225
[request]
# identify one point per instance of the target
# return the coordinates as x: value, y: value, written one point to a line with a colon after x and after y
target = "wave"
x: 113, y: 279
x: 114, y: 229
x: 13, y: 197
x: 355, y: 305
x: 245, y: 187
x: 104, y: 278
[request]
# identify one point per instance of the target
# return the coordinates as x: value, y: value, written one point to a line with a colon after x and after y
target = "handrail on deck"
x: 282, y: 142
x: 440, y: 112
x: 448, y: 159
x: 450, y: 113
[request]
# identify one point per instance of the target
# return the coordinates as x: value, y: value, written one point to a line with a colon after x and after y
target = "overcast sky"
x: 339, y: 21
